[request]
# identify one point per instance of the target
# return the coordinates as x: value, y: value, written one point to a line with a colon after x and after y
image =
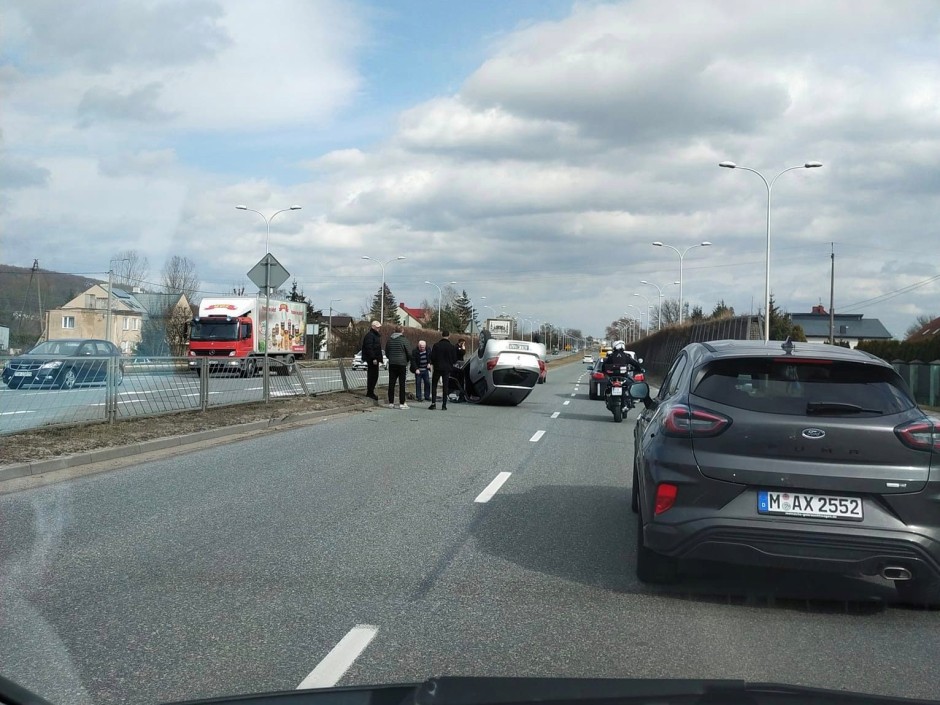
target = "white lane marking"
x: 565, y: 403
x: 536, y: 436
x: 10, y: 413
x: 572, y: 395
x: 557, y: 414
x: 492, y: 488
x: 341, y: 657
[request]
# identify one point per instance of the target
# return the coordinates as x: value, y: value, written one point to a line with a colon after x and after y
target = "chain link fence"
x: 108, y: 389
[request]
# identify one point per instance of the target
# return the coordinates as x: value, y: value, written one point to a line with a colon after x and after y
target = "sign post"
x: 268, y: 273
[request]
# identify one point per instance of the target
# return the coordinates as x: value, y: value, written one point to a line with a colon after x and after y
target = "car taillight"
x: 597, y: 375
x: 689, y: 422
x: 639, y: 377
x: 616, y: 383
x: 665, y: 497
x: 491, y: 363
x: 920, y: 435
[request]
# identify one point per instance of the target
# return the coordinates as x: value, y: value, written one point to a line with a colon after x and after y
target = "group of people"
x: 428, y: 366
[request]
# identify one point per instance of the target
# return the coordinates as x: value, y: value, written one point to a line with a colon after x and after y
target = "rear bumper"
x: 842, y: 549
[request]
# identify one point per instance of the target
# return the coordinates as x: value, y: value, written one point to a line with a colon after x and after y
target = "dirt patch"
x: 45, y: 443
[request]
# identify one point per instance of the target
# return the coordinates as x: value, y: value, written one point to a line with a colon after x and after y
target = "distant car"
x: 65, y: 364
x: 358, y: 364
x: 794, y: 456
x: 501, y: 371
x: 588, y: 360
x: 597, y: 380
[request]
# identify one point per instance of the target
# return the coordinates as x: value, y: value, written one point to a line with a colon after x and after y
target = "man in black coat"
x: 372, y: 356
x: 443, y: 358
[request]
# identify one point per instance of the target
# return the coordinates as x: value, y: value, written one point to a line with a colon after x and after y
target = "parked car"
x: 793, y: 456
x: 358, y: 364
x: 501, y: 371
x: 64, y: 363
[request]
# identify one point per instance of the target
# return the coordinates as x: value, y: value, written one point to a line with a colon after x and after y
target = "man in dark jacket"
x: 399, y: 355
x: 443, y: 357
x: 372, y: 356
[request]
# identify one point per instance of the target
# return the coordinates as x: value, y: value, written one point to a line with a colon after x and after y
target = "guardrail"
x: 159, y: 385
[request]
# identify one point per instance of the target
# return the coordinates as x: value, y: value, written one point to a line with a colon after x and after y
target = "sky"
x: 529, y: 150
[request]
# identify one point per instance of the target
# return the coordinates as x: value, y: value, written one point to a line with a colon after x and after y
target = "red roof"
x: 927, y: 331
x: 419, y: 314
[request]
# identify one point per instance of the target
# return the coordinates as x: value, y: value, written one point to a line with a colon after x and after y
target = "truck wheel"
x: 249, y: 370
x: 289, y: 367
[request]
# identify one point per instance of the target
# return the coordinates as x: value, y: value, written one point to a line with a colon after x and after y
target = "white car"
x: 358, y: 364
x: 588, y: 360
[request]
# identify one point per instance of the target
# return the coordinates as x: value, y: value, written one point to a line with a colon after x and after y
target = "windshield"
x: 213, y: 330
x: 252, y: 475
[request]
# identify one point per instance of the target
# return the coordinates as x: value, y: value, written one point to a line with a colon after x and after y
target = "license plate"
x: 616, y: 391
x: 809, y: 505
x: 22, y: 373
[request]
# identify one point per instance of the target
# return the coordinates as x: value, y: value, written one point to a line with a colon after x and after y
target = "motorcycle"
x: 617, y: 396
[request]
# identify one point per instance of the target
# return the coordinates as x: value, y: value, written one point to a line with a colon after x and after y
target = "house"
x: 331, y: 326
x: 848, y: 328
x: 928, y: 331
x: 86, y: 316
x: 413, y: 317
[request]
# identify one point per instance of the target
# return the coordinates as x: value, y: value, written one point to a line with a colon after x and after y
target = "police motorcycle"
x: 617, y: 395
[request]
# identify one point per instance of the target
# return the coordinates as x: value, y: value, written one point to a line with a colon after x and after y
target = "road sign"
x: 268, y: 273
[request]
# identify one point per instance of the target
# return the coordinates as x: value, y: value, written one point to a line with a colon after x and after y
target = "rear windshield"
x: 794, y: 386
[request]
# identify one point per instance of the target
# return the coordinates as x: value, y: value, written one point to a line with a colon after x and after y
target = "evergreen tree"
x: 391, y: 307
x: 464, y: 312
x: 781, y: 327
x: 697, y: 314
x: 722, y: 310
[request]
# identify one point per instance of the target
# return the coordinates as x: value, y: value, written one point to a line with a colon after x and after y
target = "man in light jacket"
x: 399, y: 355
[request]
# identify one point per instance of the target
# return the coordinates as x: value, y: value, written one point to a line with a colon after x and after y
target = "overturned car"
x: 500, y: 372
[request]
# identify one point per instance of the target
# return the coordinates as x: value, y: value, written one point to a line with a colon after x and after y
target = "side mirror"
x: 639, y: 390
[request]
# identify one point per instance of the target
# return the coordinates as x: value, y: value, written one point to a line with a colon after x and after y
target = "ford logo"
x: 813, y: 433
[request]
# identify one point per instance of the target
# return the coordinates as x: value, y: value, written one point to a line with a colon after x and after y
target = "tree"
x: 781, y: 327
x: 391, y: 306
x: 153, y: 338
x: 130, y: 268
x: 722, y: 310
x: 464, y: 312
x: 180, y: 277
x: 918, y: 323
x: 697, y: 314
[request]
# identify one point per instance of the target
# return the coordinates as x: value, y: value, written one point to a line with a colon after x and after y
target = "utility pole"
x: 832, y: 293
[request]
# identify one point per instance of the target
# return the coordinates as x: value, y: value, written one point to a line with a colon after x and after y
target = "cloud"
x: 21, y: 173
x: 101, y: 104
x: 143, y: 163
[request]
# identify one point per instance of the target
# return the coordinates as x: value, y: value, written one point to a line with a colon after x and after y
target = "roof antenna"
x: 787, y: 346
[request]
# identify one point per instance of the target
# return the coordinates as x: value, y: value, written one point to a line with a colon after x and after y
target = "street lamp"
x: 640, y: 321
x: 682, y: 253
x: 267, y: 221
x: 440, y: 298
x: 382, y: 265
x: 659, y: 318
x: 732, y: 165
x: 648, y: 307
x: 330, y: 331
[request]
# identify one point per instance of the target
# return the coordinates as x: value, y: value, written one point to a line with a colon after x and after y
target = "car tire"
x: 249, y: 370
x: 15, y: 383
x: 67, y: 379
x: 919, y: 592
x: 635, y: 491
x: 119, y: 378
x: 591, y: 394
x: 652, y: 567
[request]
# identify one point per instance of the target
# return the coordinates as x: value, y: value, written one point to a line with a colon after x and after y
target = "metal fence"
x: 152, y: 386
x: 923, y: 378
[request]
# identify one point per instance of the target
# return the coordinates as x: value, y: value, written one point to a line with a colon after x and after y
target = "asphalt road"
x: 242, y: 568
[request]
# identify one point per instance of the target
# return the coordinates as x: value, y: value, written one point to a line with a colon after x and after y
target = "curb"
x: 40, y: 467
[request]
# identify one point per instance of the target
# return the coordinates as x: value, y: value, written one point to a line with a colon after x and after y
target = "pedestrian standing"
x: 399, y: 355
x: 421, y: 367
x: 372, y: 356
x: 461, y: 350
x: 443, y: 358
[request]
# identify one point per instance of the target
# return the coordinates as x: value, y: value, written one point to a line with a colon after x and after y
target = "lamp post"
x: 266, y: 383
x: 659, y: 318
x: 383, y: 265
x: 267, y: 220
x: 681, y: 253
x: 640, y: 321
x: 330, y: 330
x: 770, y: 186
x: 648, y: 307
x: 440, y: 299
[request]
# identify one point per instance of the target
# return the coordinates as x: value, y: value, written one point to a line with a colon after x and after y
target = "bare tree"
x: 180, y: 277
x: 918, y: 323
x: 130, y: 268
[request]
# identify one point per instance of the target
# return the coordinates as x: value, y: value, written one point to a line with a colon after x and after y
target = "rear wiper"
x: 822, y: 407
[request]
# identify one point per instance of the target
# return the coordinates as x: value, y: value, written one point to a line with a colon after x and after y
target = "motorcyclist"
x: 616, y: 360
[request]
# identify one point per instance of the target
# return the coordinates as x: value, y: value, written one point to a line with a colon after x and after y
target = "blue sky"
x: 529, y: 150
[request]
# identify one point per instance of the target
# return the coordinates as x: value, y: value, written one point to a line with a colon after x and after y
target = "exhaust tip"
x: 893, y: 572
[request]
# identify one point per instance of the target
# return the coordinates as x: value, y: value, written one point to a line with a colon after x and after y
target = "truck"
x: 232, y: 335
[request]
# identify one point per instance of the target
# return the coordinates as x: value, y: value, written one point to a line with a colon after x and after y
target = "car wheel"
x: 119, y: 378
x: 652, y: 567
x: 15, y: 383
x: 635, y: 492
x: 919, y: 592
x: 68, y: 379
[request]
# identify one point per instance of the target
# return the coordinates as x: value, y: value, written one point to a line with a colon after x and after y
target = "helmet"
x: 620, y: 345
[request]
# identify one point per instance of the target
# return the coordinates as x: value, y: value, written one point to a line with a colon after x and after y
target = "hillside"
x: 21, y: 291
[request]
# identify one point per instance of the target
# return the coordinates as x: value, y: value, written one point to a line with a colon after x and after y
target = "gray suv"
x: 796, y: 456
